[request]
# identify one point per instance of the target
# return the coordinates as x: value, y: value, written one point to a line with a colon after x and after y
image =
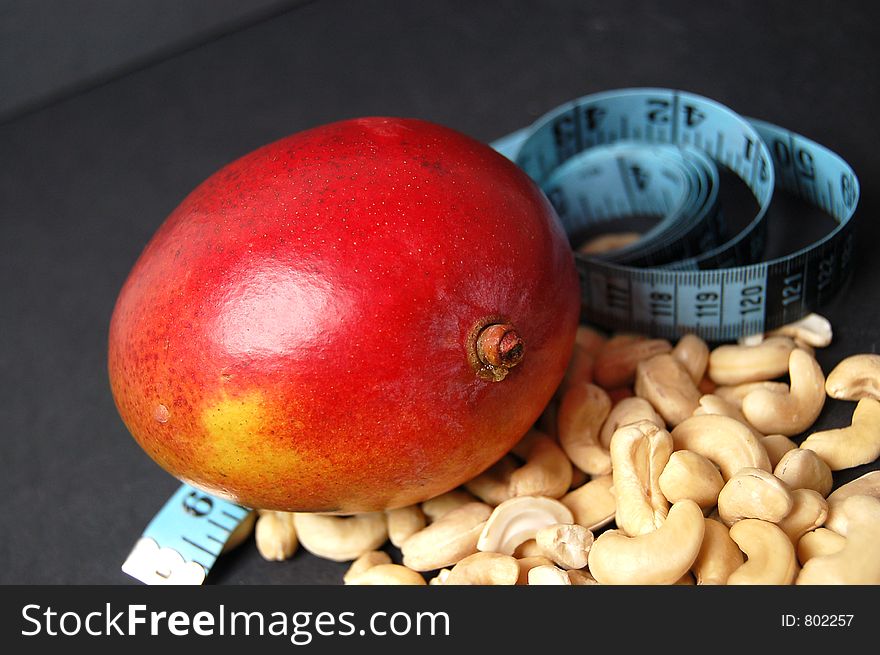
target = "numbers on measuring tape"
x: 708, y: 304
x: 661, y: 304
x: 617, y: 294
x: 658, y: 110
x: 752, y: 299
x: 792, y: 289
x: 197, y: 504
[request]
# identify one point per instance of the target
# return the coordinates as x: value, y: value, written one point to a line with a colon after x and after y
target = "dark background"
x: 113, y: 111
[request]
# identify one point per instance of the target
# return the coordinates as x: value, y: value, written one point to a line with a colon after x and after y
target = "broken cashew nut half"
x: 517, y: 520
x: 567, y: 545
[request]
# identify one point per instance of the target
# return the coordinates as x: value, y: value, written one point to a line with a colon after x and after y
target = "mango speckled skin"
x: 296, y: 334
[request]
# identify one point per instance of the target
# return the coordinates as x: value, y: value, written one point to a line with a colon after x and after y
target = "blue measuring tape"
x: 657, y: 152
x: 633, y: 152
x: 182, y: 542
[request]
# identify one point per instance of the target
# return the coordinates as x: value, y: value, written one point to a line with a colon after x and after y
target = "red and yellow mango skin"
x: 298, y: 334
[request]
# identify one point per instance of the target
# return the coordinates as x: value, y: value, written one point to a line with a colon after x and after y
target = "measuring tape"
x: 182, y: 542
x: 656, y: 152
x: 634, y: 152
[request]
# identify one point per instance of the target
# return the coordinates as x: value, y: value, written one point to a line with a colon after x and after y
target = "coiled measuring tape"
x: 634, y: 152
x: 656, y: 152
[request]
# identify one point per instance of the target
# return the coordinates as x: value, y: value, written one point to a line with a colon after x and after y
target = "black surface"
x: 50, y: 49
x: 85, y: 182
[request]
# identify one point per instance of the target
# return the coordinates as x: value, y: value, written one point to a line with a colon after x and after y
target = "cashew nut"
x: 857, y: 561
x: 866, y: 485
x: 659, y: 557
x: 628, y: 410
x: 813, y: 330
x: 547, y: 574
x: 593, y: 504
x: 735, y: 394
x: 808, y: 512
x: 447, y: 540
x: 366, y: 561
x: 845, y: 448
x: 736, y: 364
x: 719, y: 555
x: 693, y: 353
x: 616, y: 363
x: 803, y: 469
x: 724, y: 441
x: 819, y: 542
x: 777, y: 445
x: 638, y: 454
x: 712, y: 404
x: 792, y: 413
x: 275, y: 535
x: 854, y: 378
x: 484, y: 569
x: 519, y: 519
x: 387, y: 574
x: 567, y: 545
x: 668, y: 386
x: 547, y: 471
x: 341, y: 538
x: 690, y: 475
x: 583, y: 409
x: 754, y: 494
x: 437, y: 507
x: 404, y: 522
x: 492, y: 486
x: 770, y: 553
x: 526, y: 564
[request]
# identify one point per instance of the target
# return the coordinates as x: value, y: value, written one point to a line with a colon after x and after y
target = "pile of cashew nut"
x: 654, y: 464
